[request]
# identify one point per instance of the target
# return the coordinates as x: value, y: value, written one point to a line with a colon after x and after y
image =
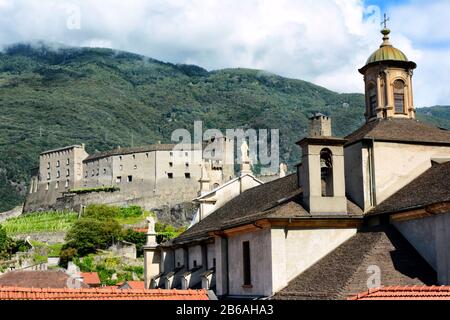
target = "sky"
x: 324, y: 41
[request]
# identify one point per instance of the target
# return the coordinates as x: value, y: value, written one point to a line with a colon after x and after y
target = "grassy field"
x: 40, y: 222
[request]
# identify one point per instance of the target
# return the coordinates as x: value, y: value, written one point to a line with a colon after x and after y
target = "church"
x: 365, y: 211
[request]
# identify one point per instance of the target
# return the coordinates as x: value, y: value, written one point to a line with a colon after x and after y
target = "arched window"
x: 399, y: 96
x: 372, y: 96
x: 326, y: 173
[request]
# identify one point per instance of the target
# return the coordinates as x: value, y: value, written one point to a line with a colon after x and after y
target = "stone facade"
x: 152, y: 176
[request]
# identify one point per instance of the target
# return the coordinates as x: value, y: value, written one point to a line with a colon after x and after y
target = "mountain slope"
x: 106, y: 98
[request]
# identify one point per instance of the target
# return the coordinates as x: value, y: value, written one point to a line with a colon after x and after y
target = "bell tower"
x: 388, y: 82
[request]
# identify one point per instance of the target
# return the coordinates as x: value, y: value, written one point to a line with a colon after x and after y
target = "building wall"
x: 397, y: 164
x: 260, y: 261
x: 355, y: 174
x: 430, y: 236
x: 150, y: 179
x: 298, y: 249
x: 59, y: 171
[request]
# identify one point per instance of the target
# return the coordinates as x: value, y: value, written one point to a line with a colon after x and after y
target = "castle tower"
x: 205, y: 185
x: 388, y: 83
x: 322, y: 170
x: 319, y: 126
x: 246, y: 165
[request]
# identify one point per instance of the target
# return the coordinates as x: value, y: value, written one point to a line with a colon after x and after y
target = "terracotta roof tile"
x: 405, y: 293
x: 36, y: 279
x: 16, y: 293
x: 132, y: 285
x: 91, y: 278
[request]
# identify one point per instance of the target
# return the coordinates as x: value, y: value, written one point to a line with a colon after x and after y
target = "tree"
x: 88, y: 235
x: 3, y: 240
x: 138, y: 238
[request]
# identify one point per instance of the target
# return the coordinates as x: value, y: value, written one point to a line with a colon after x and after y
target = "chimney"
x: 319, y: 126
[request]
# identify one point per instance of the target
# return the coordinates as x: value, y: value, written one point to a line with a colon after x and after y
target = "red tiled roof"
x: 91, y: 278
x: 15, y: 293
x: 406, y: 293
x: 36, y: 279
x: 142, y: 230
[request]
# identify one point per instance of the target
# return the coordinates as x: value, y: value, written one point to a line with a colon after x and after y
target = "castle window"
x: 171, y: 154
x: 120, y: 158
x: 121, y: 167
x: 135, y: 167
x: 372, y: 99
x: 68, y: 173
x: 57, y: 185
x: 246, y: 263
x: 57, y: 164
x: 187, y: 175
x: 104, y: 171
x: 326, y: 173
x: 195, y: 263
x: 399, y: 96
x: 171, y: 164
x: 48, y: 176
x: 98, y: 172
x: 47, y: 186
x: 119, y: 179
x: 214, y: 262
x: 187, y: 164
x: 134, y: 157
x: 67, y: 161
x: 170, y: 175
x: 146, y: 155
x: 48, y: 165
x: 86, y: 175
x: 58, y: 174
x: 67, y: 183
x: 130, y: 178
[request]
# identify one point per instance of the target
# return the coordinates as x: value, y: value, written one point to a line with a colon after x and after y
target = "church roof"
x: 431, y: 187
x: 400, y: 130
x: 381, y: 246
x: 388, y: 53
x: 280, y: 198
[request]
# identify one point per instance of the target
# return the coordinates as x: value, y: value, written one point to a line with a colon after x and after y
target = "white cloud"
x: 320, y: 41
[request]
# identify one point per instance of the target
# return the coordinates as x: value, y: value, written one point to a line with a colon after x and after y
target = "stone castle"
x: 151, y: 176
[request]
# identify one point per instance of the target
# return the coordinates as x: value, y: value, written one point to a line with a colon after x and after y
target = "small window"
x: 135, y: 167
x: 246, y: 263
x: 48, y: 165
x: 120, y: 158
x: 187, y: 175
x: 195, y: 263
x: 118, y: 179
x: 178, y: 264
x: 67, y: 161
x: 48, y: 176
x: 130, y: 179
x: 86, y: 175
x: 121, y: 167
x: 171, y: 154
x: 58, y: 174
x: 146, y: 155
x: 57, y: 185
x: 187, y: 164
x: 68, y: 172
x: 171, y: 164
x: 326, y: 173
x: 93, y: 172
x: 170, y: 175
x: 186, y: 154
x: 134, y: 157
x: 57, y: 164
x: 98, y: 172
x: 214, y: 262
x: 104, y: 171
x: 67, y: 183
x: 399, y: 96
x: 47, y: 186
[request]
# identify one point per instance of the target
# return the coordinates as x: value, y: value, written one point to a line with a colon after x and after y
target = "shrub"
x: 67, y: 254
x: 101, y: 212
x: 88, y: 235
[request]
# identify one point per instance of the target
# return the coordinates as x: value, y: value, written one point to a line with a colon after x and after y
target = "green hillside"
x: 106, y: 98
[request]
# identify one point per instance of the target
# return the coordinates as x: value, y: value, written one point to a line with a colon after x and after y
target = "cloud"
x: 320, y: 41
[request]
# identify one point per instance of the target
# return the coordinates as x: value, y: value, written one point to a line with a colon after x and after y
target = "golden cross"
x: 385, y: 20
